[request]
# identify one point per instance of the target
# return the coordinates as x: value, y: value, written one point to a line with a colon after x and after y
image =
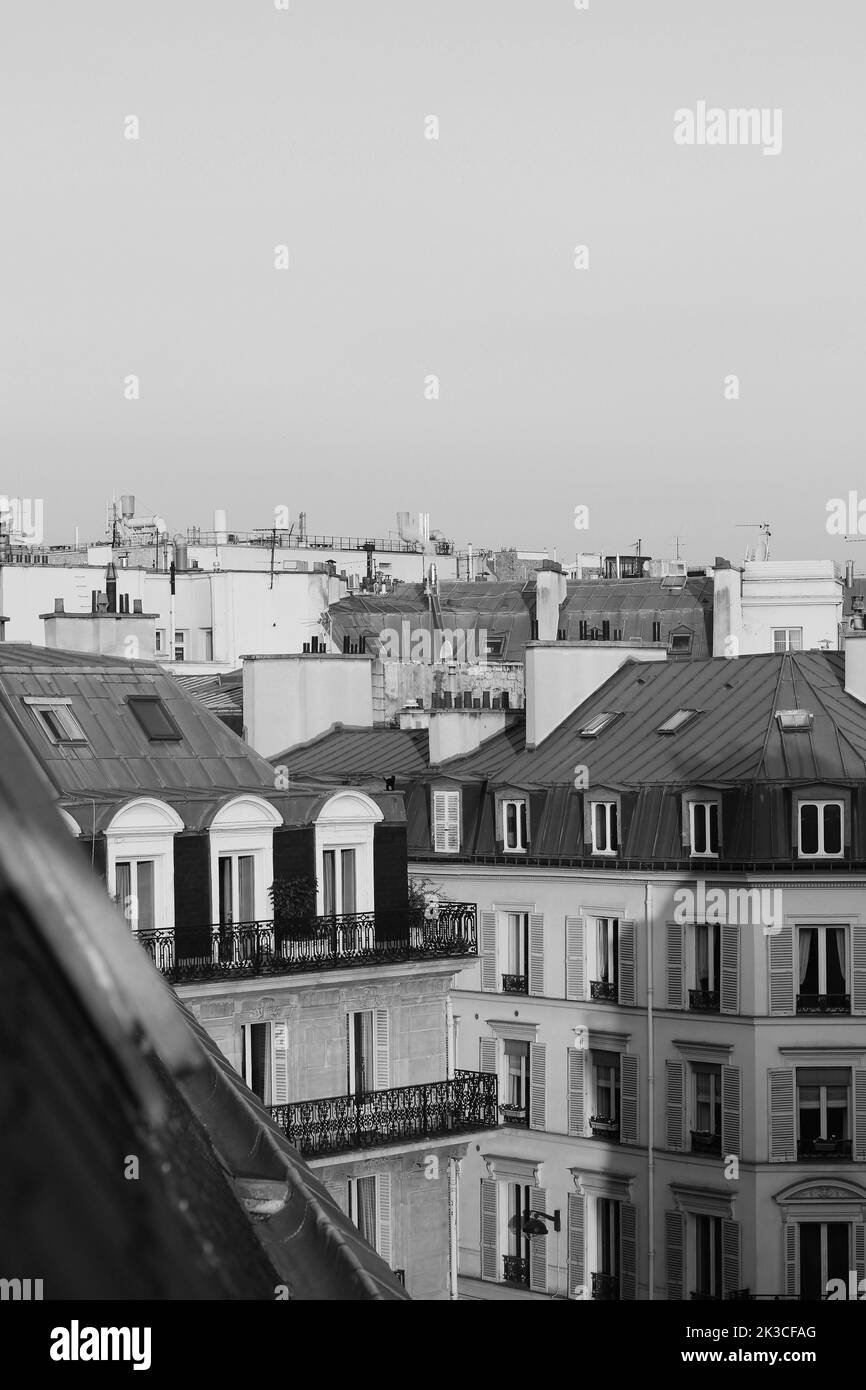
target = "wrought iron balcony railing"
x: 316, y: 943
x: 515, y: 984
x: 516, y: 1270
x: 823, y: 1003
x: 605, y: 1286
x: 824, y: 1148
x: 704, y: 1000
x: 705, y: 1143
x: 603, y: 989
x: 370, y: 1119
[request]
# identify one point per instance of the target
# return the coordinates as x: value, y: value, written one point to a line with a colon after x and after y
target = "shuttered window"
x: 446, y: 821
x: 577, y: 1283
x: 575, y: 965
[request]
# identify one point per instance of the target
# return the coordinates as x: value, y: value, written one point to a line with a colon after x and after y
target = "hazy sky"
x: 408, y: 256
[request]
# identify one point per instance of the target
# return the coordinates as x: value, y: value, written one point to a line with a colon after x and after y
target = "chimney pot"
x: 58, y: 605
x: 136, y: 605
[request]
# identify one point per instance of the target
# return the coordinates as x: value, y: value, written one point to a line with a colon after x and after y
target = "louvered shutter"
x: 575, y: 965
x: 860, y: 1113
x: 731, y: 1256
x: 675, y: 1243
x: 576, y: 1245
x: 383, y: 1050
x: 730, y: 968
x: 675, y: 1105
x: 627, y: 965
x: 339, y: 1191
x: 731, y: 1102
x: 536, y: 953
x: 489, y: 1230
x: 783, y: 1116
x: 487, y: 1050
x: 281, y: 1064
x: 537, y: 1086
x: 782, y: 969
x: 860, y: 1251
x: 446, y: 822
x: 674, y: 972
x: 628, y: 1098
x: 489, y: 980
x: 576, y: 1085
x: 538, y: 1244
x: 791, y: 1233
x: 858, y: 968
x: 628, y: 1250
x: 383, y: 1216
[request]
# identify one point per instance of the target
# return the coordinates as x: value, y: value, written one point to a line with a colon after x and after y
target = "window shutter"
x: 536, y: 953
x: 281, y: 1064
x: 675, y: 1241
x: 383, y: 1050
x: 860, y: 1113
x: 730, y: 968
x: 576, y: 1245
x: 488, y: 951
x: 675, y: 1116
x: 674, y: 964
x: 339, y: 1191
x: 783, y: 1127
x: 383, y: 1215
x: 575, y: 965
x: 489, y: 1230
x: 731, y: 1255
x: 860, y: 1250
x: 628, y: 1250
x: 782, y: 970
x: 858, y: 968
x: 446, y: 822
x: 792, y: 1262
x: 537, y: 1086
x: 576, y: 1100
x: 538, y: 1244
x: 627, y: 964
x: 487, y: 1048
x: 628, y: 1098
x: 731, y: 1111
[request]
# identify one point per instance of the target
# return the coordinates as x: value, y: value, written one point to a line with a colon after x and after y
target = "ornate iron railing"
x: 704, y: 1000
x: 823, y: 1003
x: 824, y: 1148
x: 704, y: 1143
x: 603, y: 989
x: 399, y: 1114
x: 317, y: 943
x: 515, y: 1270
x: 605, y: 1286
x: 515, y: 984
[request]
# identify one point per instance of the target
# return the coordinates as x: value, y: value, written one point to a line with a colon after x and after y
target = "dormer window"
x: 794, y: 720
x: 604, y: 822
x: 154, y: 719
x: 515, y: 838
x: 820, y: 829
x: 704, y: 829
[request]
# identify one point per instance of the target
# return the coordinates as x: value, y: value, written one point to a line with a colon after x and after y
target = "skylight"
x: 676, y: 721
x: 598, y: 724
x: 56, y: 720
x: 794, y: 719
x: 154, y: 718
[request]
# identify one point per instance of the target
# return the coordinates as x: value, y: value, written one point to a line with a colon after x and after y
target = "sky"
x: 606, y: 387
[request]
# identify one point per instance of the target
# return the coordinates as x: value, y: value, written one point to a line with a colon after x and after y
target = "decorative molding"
x: 608, y: 1042
x: 825, y: 1057
x: 217, y: 1008
x: 509, y: 1168
x: 602, y: 1184
x: 703, y: 1201
x: 513, y: 1028
x: 703, y: 1051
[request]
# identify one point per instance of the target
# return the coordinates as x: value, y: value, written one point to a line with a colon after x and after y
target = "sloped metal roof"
x: 359, y: 755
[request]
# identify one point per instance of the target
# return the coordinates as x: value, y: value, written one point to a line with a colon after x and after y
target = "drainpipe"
x: 648, y: 918
x: 449, y: 1037
x: 452, y: 1228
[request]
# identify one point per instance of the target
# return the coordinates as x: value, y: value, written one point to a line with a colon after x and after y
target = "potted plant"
x: 294, y: 904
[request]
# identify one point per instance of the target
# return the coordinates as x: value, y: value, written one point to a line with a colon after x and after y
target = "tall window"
x: 362, y: 1207
x: 608, y: 1239
x: 179, y: 645
x: 516, y: 1254
x: 514, y: 833
x: 606, y: 959
x: 516, y: 1055
x: 515, y: 977
x: 160, y: 640
x: 705, y: 994
x: 605, y: 832
x: 707, y: 1108
x: 339, y: 881
x: 823, y: 970
x: 134, y: 888
x: 704, y: 829
x: 820, y: 824
x: 361, y: 1052
x: 708, y: 1256
x: 207, y: 643
x: 787, y: 639
x: 237, y: 888
x: 824, y: 1255
x: 823, y: 1109
x: 605, y: 1071
x: 257, y: 1060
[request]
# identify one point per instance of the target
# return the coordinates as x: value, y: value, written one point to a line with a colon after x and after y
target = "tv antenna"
x: 764, y: 528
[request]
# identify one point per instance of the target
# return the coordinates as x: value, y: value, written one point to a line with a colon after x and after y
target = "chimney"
x: 849, y: 574
x: 550, y: 592
x: 727, y: 609
x: 855, y: 665
x: 111, y: 586
x: 136, y: 605
x: 561, y: 675
x: 58, y: 605
x: 455, y: 732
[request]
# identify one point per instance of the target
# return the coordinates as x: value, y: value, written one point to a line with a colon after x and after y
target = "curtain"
x: 225, y: 889
x: 123, y: 886
x: 807, y: 936
x: 367, y: 1209
x: 703, y: 953
x: 603, y: 957
x: 348, y: 881
x: 329, y: 887
x: 836, y: 971
x: 144, y: 893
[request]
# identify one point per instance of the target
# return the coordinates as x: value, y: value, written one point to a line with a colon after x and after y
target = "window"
x: 707, y: 1108
x: 604, y: 1122
x: 361, y: 1052
x: 606, y: 959
x: 820, y: 829
x: 794, y: 721
x: 787, y: 639
x: 515, y: 979
x: 495, y: 648
x: 823, y: 1112
x: 236, y: 877
x: 824, y: 1255
x: 514, y: 832
x: 704, y: 829
x: 446, y: 821
x: 339, y: 882
x: 56, y: 720
x: 134, y: 891
x: 363, y: 1207
x: 605, y: 1278
x: 179, y: 646
x: 605, y: 831
x: 705, y: 995
x: 598, y: 724
x: 677, y: 721
x: 516, y: 1255
x: 823, y: 971
x: 708, y: 1257
x: 207, y: 643
x: 257, y: 1060
x: 515, y: 1109
x: 680, y: 643
x: 160, y: 640
x: 154, y: 718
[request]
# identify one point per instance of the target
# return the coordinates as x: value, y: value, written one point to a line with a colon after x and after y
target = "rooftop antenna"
x: 764, y: 528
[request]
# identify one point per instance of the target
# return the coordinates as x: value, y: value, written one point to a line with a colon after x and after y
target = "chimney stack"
x: 550, y: 591
x: 111, y: 586
x: 855, y: 664
x: 727, y: 609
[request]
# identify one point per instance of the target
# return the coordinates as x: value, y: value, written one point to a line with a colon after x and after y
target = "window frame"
x: 788, y: 647
x: 435, y: 792
x: 521, y: 823
x: 61, y: 706
x: 136, y: 703
x: 180, y: 642
x: 612, y: 806
x: 821, y: 804
x: 707, y: 805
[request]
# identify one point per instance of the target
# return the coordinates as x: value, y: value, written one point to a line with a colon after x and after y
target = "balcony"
x: 823, y: 1003
x: 824, y: 1148
x: 515, y: 1270
x: 247, y: 949
x: 705, y: 1143
x: 603, y: 1127
x: 399, y: 1115
x: 515, y: 984
x: 704, y: 1000
x: 605, y: 1287
x: 603, y: 989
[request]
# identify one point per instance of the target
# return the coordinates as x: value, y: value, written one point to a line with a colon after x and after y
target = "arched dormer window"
x: 140, y: 862
x: 242, y: 860
x: 344, y: 854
